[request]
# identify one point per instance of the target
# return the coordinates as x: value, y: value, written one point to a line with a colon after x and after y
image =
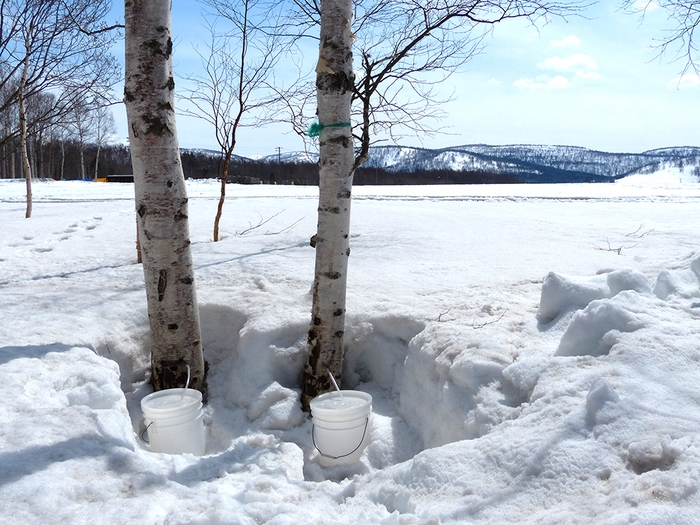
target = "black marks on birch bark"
x: 342, y: 140
x: 337, y: 82
x: 172, y: 372
x: 156, y: 126
x: 172, y: 326
x: 156, y: 47
x: 311, y: 338
x: 312, y: 383
x: 162, y: 284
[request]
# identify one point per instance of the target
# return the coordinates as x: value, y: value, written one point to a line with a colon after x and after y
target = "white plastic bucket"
x: 174, y: 421
x: 341, y: 426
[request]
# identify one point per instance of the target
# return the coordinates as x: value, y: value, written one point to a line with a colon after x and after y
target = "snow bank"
x: 562, y: 294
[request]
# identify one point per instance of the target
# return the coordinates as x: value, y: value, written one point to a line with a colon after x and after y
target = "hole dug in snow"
x: 255, y: 365
x: 374, y: 362
x: 453, y: 386
x: 430, y: 386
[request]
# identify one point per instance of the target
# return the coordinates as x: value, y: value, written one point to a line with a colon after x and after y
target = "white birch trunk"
x: 161, y: 199
x: 24, y: 152
x: 82, y: 161
x: 63, y: 158
x: 334, y: 84
x: 97, y: 159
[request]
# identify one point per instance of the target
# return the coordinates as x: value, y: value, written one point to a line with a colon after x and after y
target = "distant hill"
x: 525, y: 163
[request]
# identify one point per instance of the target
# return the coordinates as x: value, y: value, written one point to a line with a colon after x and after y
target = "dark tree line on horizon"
x: 60, y: 160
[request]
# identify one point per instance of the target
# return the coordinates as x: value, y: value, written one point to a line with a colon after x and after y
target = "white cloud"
x: 574, y: 62
x: 543, y: 82
x: 685, y: 81
x: 494, y: 82
x: 578, y: 67
x: 569, y: 41
x: 587, y: 75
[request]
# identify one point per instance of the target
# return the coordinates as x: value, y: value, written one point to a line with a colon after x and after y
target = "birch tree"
x: 83, y: 125
x: 235, y: 89
x: 398, y: 41
x: 105, y: 128
x: 161, y: 199
x: 57, y: 46
x: 334, y: 88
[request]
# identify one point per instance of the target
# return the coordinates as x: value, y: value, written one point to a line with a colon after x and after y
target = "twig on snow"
x: 439, y: 319
x: 285, y: 230
x: 617, y: 250
x: 638, y: 233
x: 478, y: 326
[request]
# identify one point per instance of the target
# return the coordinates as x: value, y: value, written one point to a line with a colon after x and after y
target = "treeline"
x: 61, y: 160
x: 200, y: 165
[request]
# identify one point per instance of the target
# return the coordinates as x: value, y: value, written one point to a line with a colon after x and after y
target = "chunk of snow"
x: 562, y: 293
x: 681, y: 283
x: 596, y: 328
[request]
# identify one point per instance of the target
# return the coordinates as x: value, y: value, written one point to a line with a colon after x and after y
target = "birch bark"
x: 24, y: 152
x: 334, y: 87
x: 26, y: 167
x: 161, y: 199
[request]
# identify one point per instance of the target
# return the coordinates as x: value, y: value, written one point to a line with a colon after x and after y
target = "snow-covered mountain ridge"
x: 528, y: 163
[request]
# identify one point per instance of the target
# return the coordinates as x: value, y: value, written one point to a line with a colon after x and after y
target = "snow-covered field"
x: 503, y: 393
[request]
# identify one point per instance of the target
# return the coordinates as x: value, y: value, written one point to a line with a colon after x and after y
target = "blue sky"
x: 594, y: 82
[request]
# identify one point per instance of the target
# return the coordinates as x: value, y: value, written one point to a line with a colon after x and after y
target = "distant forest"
x: 60, y: 160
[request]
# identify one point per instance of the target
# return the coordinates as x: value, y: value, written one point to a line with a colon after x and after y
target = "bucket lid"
x: 333, y: 405
x: 168, y: 402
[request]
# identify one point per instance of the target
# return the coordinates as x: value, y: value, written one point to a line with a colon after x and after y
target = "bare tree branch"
x: 680, y: 40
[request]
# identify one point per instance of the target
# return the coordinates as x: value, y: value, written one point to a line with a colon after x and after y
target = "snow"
x: 532, y: 354
x: 665, y: 175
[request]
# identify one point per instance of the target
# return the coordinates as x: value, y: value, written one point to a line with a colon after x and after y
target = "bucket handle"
x: 143, y: 434
x: 313, y: 440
